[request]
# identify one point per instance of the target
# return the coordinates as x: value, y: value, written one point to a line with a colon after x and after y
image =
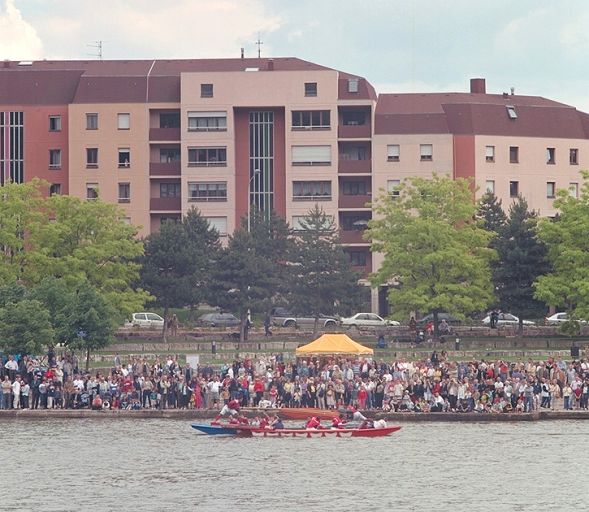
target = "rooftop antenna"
x: 259, y: 43
x: 97, y: 45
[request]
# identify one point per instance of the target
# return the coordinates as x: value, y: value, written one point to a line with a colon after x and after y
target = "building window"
x: 124, y: 157
x: 170, y: 120
x: 170, y: 189
x: 393, y: 152
x: 207, y: 191
x: 207, y: 121
x: 124, y: 121
x: 355, y: 188
x: 168, y: 155
x: 124, y: 192
x: 91, y: 157
x: 426, y: 152
x: 207, y: 157
x: 91, y: 121
x: 490, y: 186
x: 489, y: 154
x: 352, y: 85
x: 91, y: 191
x: 551, y: 156
x: 55, y: 189
x: 353, y: 118
x: 358, y: 222
x: 574, y: 156
x: 206, y: 90
x: 358, y: 258
x: 219, y: 223
x: 511, y: 113
x: 55, y: 159
x: 311, y: 155
x: 513, y: 188
x: 173, y: 220
x: 311, y: 89
x: 311, y: 119
x: 393, y: 187
x: 354, y: 153
x: 513, y: 154
x: 550, y: 189
x: 311, y: 190
x: 574, y: 190
x: 54, y: 123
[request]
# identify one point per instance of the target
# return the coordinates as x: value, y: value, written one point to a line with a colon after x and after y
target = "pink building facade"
x: 159, y: 137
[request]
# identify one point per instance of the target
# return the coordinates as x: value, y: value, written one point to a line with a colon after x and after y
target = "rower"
x: 313, y: 423
x: 276, y: 423
x: 337, y: 422
x: 231, y: 408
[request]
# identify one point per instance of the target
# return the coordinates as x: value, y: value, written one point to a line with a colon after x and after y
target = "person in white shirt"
x: 16, y: 393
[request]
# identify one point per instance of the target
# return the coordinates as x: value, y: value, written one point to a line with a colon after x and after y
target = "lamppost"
x: 249, y: 202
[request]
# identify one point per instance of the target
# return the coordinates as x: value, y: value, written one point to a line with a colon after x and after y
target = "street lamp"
x: 249, y: 202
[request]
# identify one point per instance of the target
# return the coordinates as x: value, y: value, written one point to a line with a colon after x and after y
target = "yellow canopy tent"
x: 334, y: 344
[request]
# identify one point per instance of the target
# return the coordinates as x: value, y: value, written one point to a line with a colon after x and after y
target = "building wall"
x: 532, y: 171
x: 108, y: 139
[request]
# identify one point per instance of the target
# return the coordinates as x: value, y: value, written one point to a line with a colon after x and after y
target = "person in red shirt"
x: 337, y: 422
x: 231, y: 408
x: 313, y: 423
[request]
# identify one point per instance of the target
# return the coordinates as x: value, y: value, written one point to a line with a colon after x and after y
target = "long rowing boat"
x: 250, y: 431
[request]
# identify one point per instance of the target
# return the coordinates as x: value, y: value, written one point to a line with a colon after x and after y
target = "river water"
x: 159, y: 465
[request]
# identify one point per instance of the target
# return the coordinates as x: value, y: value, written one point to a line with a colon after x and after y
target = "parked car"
x: 147, y: 320
x: 218, y: 320
x: 367, y: 320
x: 281, y: 317
x: 560, y: 318
x: 450, y: 320
x: 507, y: 319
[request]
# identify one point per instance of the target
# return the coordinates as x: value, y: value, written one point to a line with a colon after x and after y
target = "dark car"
x: 218, y: 320
x: 451, y: 320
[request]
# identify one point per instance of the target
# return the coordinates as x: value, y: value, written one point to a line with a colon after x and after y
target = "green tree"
x: 178, y: 261
x: 490, y: 212
x: 433, y: 247
x: 322, y: 277
x: 87, y: 241
x: 243, y: 278
x: 20, y: 210
x: 567, y: 285
x: 25, y: 327
x: 88, y: 321
x: 521, y: 260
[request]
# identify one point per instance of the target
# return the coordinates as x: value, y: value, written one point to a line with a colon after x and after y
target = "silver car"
x: 367, y: 320
x: 147, y: 320
x: 507, y: 319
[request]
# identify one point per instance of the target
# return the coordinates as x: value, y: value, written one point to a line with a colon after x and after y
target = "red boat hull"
x: 246, y: 431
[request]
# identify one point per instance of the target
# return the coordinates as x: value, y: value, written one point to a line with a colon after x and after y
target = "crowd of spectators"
x: 434, y: 384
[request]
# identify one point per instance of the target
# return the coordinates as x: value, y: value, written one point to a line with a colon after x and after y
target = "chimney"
x: 477, y: 86
x: 512, y: 91
x: 242, y: 53
x: 270, y: 64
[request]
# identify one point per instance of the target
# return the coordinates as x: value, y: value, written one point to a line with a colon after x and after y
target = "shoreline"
x: 191, y: 414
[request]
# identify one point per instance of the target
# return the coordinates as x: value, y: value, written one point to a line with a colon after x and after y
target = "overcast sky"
x: 540, y: 47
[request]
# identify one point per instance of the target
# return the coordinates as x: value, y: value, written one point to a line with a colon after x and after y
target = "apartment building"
x: 158, y: 137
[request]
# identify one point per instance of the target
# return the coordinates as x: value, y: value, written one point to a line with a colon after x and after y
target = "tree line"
x: 445, y: 252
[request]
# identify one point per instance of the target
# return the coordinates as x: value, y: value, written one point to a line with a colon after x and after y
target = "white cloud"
x: 18, y: 38
x: 150, y: 28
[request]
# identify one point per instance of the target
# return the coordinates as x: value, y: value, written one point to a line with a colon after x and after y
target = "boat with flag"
x: 252, y: 431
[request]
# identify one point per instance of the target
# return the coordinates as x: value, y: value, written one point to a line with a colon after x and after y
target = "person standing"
x: 16, y: 393
x: 6, y: 392
x: 267, y: 324
x: 12, y: 367
x: 24, y: 395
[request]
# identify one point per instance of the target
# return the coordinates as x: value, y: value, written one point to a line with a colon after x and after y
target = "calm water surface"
x: 153, y: 465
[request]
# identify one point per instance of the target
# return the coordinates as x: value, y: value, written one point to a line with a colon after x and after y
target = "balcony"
x: 354, y: 201
x: 164, y: 134
x: 354, y: 131
x: 164, y: 168
x: 353, y: 237
x: 346, y: 166
x: 165, y: 204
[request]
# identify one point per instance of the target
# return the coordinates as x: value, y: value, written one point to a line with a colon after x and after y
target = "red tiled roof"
x: 118, y: 81
x: 478, y: 114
